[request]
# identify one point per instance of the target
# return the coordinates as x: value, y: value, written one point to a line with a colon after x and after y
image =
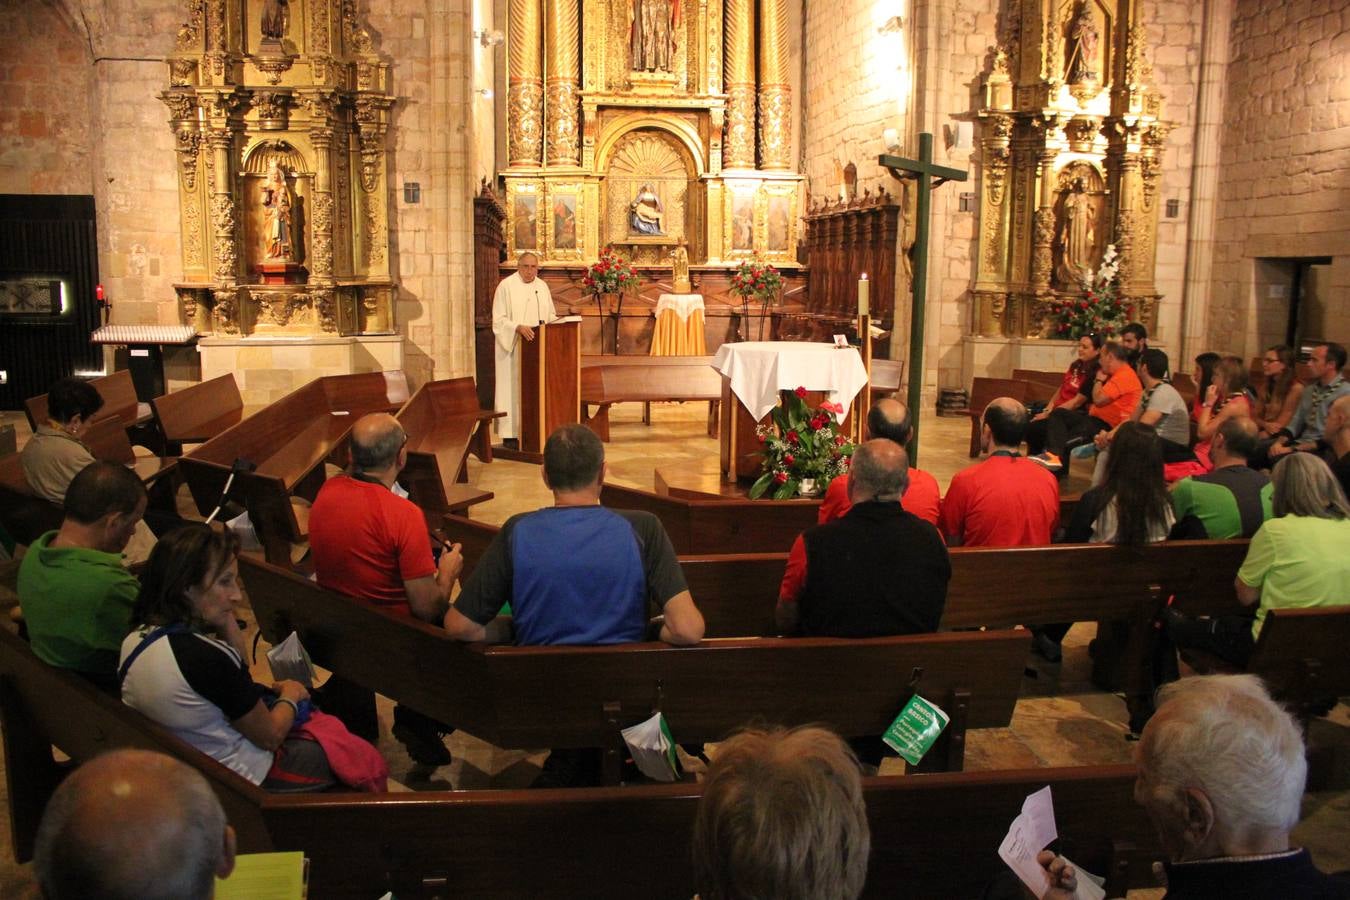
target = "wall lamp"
x: 490, y: 38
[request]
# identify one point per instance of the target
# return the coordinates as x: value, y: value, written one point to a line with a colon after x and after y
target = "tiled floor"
x: 1060, y: 720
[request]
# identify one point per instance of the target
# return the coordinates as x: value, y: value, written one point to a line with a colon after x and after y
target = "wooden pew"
x: 609, y: 380
x: 198, y: 413
x: 577, y: 696
x: 288, y: 442
x: 589, y: 842
x: 1041, y: 386
x: 720, y: 526
x: 982, y: 391
x: 24, y: 515
x: 119, y: 402
x: 444, y: 424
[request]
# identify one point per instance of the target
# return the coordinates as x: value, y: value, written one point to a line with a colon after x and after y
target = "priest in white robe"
x: 521, y: 304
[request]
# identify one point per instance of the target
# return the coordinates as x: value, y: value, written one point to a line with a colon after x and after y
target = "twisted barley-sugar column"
x: 563, y: 57
x: 525, y: 91
x: 739, y: 146
x: 775, y: 95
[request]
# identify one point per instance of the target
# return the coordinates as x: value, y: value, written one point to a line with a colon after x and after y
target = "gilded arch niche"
x: 1080, y: 220
x: 650, y: 193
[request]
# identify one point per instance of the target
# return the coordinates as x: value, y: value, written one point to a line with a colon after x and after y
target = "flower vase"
x: 807, y: 488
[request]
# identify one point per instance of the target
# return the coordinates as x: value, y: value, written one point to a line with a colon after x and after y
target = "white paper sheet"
x: 651, y: 749
x: 1028, y: 835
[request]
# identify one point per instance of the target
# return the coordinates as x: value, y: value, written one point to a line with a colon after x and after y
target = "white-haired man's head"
x: 133, y: 824
x: 1221, y: 768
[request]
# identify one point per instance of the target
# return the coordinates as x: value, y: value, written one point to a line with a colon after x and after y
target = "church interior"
x: 280, y: 191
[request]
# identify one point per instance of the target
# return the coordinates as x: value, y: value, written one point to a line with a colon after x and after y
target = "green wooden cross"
x: 927, y: 176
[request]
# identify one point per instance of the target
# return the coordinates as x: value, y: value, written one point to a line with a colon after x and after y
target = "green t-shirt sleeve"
x: 1260, y: 557
x: 1267, y: 493
x: 113, y: 619
x: 1183, y: 503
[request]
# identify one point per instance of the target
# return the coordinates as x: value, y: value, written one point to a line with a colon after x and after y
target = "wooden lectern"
x: 550, y: 384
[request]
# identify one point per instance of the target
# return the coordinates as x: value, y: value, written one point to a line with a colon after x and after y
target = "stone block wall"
x: 1285, y: 163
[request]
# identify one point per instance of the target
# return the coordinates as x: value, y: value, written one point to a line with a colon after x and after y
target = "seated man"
x: 1231, y: 501
x: 1134, y: 338
x: 879, y: 570
x: 1221, y: 774
x: 1161, y: 407
x: 133, y: 824
x: 889, y: 419
x: 1006, y: 500
x: 1305, y: 430
x: 575, y: 572
x: 368, y: 542
x: 75, y: 592
x: 782, y: 815
x: 55, y: 454
x: 1116, y: 392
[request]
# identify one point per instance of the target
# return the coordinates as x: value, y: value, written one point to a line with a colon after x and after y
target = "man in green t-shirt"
x: 75, y: 593
x: 1233, y: 500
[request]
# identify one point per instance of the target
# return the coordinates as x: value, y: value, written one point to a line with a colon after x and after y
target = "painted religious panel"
x: 779, y: 223
x: 742, y: 220
x: 563, y: 222
x: 522, y: 227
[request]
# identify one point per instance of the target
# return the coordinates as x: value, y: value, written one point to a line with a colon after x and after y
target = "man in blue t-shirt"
x: 576, y: 572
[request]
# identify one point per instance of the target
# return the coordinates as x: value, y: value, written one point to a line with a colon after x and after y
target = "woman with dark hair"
x: 1075, y: 390
x: 185, y: 668
x: 1279, y: 395
x: 1131, y: 505
x: 1225, y: 398
x: 1203, y: 378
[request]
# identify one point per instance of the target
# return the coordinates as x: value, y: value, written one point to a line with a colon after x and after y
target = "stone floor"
x: 1061, y: 720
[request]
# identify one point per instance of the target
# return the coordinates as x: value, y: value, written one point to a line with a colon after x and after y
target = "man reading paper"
x: 521, y: 304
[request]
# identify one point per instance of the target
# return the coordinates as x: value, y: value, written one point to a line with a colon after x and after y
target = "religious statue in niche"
x: 278, y: 203
x: 646, y: 215
x: 651, y: 42
x: 1081, y: 65
x: 1078, y: 235
x: 276, y: 19
x: 679, y: 276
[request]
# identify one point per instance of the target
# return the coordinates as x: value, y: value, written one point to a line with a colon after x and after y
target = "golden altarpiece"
x: 1069, y: 155
x: 660, y: 122
x: 279, y: 112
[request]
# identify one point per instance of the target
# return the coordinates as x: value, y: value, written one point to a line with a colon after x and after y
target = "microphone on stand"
x: 537, y: 307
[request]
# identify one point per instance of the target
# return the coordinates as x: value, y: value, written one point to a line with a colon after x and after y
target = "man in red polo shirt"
x: 1007, y: 500
x: 889, y: 419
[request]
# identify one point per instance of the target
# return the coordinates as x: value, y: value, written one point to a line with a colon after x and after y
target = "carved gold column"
x: 991, y: 288
x: 321, y: 261
x: 561, y: 18
x: 775, y: 94
x: 525, y: 91
x: 225, y: 248
x: 739, y: 147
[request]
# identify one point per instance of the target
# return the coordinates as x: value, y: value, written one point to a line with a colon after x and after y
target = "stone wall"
x: 1285, y: 164
x: 45, y: 94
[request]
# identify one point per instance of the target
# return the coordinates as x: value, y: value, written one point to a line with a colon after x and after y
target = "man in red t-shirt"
x: 1007, y: 500
x: 888, y: 418
x: 369, y: 542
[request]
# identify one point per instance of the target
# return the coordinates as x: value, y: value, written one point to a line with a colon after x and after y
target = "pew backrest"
x: 201, y: 411
x: 720, y: 526
x: 119, y: 400
x: 1302, y: 654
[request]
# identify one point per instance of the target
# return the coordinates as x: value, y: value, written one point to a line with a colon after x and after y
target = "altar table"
x: 679, y: 326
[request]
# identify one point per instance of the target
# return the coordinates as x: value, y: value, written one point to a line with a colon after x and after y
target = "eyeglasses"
x: 1269, y: 360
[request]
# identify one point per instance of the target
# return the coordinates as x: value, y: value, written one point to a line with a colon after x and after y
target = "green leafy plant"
x: 800, y: 442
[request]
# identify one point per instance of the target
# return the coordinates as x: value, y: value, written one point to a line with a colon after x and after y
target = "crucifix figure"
x: 926, y: 176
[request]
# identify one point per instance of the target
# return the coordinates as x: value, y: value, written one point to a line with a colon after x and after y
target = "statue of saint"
x: 680, y: 269
x: 651, y: 40
x: 276, y: 16
x: 277, y: 201
x: 645, y: 213
x: 1078, y: 236
x: 1083, y: 60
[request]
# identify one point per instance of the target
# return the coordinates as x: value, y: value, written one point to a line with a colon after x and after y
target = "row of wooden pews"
x: 936, y: 835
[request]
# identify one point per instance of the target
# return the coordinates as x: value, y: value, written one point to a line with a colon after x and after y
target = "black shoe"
x: 1047, y: 649
x: 424, y: 746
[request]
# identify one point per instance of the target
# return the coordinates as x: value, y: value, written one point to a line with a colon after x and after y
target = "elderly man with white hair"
x: 1221, y: 774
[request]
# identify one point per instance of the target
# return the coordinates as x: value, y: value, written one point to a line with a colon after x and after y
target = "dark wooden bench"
x: 576, y: 696
x: 288, y: 442
x: 1041, y: 386
x: 198, y: 413
x: 444, y: 424
x: 619, y: 379
x: 720, y: 526
x: 119, y: 402
x: 24, y: 515
x: 982, y: 392
x: 581, y: 843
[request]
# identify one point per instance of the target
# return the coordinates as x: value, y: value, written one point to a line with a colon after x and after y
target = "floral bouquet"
x: 610, y: 274
x: 801, y: 444
x: 1098, y: 310
x: 753, y: 278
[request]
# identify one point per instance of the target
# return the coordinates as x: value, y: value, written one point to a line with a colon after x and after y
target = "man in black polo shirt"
x: 877, y: 571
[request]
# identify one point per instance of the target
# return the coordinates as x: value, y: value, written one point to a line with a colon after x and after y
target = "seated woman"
x: 1297, y: 559
x: 1203, y: 378
x: 1075, y: 390
x: 1225, y: 399
x: 1279, y: 396
x: 1130, y: 506
x: 185, y: 667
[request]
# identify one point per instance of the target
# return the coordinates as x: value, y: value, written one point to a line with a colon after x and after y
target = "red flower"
x: 840, y: 440
x: 793, y: 438
x: 788, y: 459
x: 800, y: 392
x: 780, y: 477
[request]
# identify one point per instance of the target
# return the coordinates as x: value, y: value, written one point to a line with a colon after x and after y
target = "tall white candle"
x: 862, y: 294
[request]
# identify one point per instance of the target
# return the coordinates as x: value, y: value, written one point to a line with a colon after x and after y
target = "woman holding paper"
x: 184, y: 667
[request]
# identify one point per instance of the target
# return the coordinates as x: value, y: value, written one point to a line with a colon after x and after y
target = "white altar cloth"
x: 760, y: 369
